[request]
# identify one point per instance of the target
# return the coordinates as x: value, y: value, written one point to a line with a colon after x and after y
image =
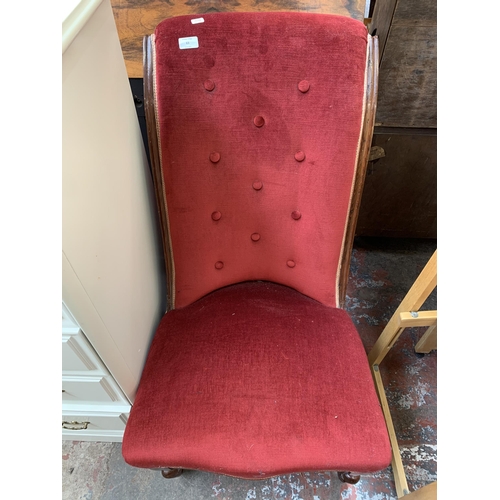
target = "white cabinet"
x: 85, y: 378
x: 104, y: 424
x: 76, y: 351
x: 112, y: 265
x: 93, y: 405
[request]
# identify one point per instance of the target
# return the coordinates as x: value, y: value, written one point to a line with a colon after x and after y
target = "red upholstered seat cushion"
x: 256, y: 380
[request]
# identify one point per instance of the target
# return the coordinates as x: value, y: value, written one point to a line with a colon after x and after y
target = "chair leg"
x: 348, y: 477
x: 170, y: 473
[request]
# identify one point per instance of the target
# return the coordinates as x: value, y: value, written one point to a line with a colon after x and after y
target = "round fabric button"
x: 290, y: 263
x: 255, y: 237
x: 216, y: 215
x: 219, y: 264
x: 214, y: 157
x: 304, y: 86
x: 257, y: 185
x: 296, y: 215
x: 209, y: 85
x: 259, y: 121
x: 300, y: 156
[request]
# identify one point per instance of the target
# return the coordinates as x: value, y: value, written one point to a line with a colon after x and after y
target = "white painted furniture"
x: 112, y: 276
x: 94, y: 407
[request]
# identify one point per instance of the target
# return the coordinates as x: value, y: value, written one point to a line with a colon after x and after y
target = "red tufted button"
x: 216, y: 215
x: 290, y: 263
x: 304, y: 86
x: 255, y: 237
x: 300, y: 156
x: 257, y: 185
x: 219, y: 265
x: 209, y: 85
x: 214, y: 157
x: 259, y: 121
x: 296, y: 215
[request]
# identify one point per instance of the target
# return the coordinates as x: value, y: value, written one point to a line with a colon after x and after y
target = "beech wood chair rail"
x: 407, y: 315
x: 216, y: 393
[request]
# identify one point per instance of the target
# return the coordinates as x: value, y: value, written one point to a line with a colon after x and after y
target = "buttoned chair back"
x: 259, y: 127
x: 262, y: 144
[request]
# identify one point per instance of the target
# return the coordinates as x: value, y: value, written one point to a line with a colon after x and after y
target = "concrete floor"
x: 382, y: 271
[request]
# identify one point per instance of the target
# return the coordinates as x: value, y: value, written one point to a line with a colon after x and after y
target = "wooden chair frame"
x: 407, y: 315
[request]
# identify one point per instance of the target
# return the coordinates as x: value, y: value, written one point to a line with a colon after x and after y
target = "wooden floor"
x: 137, y: 18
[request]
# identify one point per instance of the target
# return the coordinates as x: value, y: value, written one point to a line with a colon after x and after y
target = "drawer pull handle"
x: 75, y: 426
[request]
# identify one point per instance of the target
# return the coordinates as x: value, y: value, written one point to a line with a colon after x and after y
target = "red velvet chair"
x: 259, y: 126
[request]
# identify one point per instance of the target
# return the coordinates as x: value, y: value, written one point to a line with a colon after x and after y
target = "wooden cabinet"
x: 400, y: 195
x: 408, y: 63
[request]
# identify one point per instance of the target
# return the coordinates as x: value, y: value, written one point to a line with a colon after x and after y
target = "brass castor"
x: 170, y: 473
x: 348, y: 477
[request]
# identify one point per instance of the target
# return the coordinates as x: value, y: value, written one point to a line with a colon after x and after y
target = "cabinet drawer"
x: 94, y: 424
x: 89, y: 388
x: 86, y: 422
x: 77, y: 354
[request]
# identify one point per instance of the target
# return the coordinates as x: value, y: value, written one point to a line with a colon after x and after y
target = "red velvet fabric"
x: 274, y: 98
x: 256, y: 380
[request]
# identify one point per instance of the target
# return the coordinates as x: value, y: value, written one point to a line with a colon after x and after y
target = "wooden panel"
x: 381, y: 21
x: 408, y: 78
x: 137, y: 18
x: 400, y: 193
x: 411, y: 13
x: 387, y: 13
x: 399, y: 199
